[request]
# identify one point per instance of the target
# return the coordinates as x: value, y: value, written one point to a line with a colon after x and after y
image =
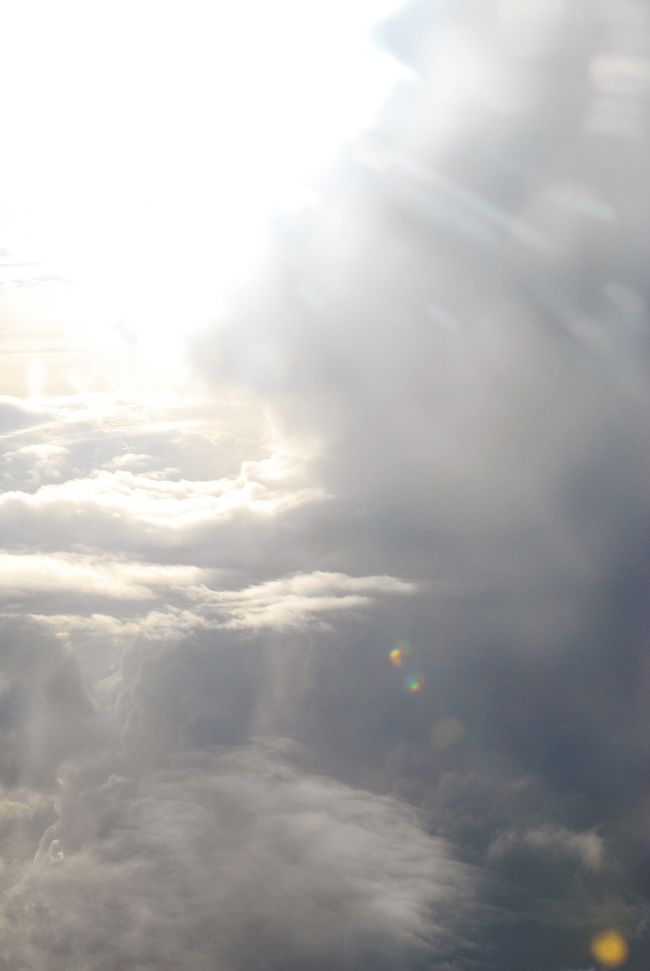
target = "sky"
x: 324, y: 485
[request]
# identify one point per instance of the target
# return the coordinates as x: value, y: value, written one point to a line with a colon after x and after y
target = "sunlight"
x: 165, y: 137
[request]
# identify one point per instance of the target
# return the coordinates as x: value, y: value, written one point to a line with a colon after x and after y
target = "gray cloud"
x: 435, y: 440
x: 459, y: 324
x: 46, y: 715
x: 233, y: 861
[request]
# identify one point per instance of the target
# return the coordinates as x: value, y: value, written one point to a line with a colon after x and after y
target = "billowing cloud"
x: 227, y: 858
x: 394, y: 521
x: 152, y: 502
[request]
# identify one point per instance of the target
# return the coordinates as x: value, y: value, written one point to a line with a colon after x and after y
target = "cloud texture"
x: 338, y: 659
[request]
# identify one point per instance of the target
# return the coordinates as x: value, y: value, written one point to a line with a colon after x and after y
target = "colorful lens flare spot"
x: 400, y: 653
x: 610, y: 949
x: 413, y: 683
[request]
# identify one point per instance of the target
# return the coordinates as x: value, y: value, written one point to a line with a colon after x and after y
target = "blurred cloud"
x: 47, y: 716
x: 314, y: 873
x: 587, y: 848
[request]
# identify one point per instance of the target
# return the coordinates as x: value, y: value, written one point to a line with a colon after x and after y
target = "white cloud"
x: 296, y: 602
x: 160, y: 624
x: 304, y: 599
x: 16, y: 413
x: 587, y: 848
x: 42, y: 452
x: 230, y: 856
x: 40, y: 573
x: 128, y: 460
x: 150, y: 502
x: 154, y: 502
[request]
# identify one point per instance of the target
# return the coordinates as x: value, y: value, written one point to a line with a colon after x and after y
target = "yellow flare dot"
x: 610, y: 949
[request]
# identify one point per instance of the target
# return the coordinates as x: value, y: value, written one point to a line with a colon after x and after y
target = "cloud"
x: 47, y: 716
x: 303, y: 600
x: 39, y: 574
x: 434, y: 437
x: 228, y: 858
x: 129, y: 460
x: 105, y: 472
x: 469, y: 416
x: 11, y: 810
x: 99, y: 430
x: 586, y: 848
x: 297, y: 602
x: 41, y: 453
x: 151, y: 502
x: 15, y: 413
x: 167, y: 622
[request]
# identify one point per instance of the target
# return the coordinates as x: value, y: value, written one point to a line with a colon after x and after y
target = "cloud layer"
x: 338, y: 660
x: 228, y: 859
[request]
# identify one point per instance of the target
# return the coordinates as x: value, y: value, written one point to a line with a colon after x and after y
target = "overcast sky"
x: 324, y: 485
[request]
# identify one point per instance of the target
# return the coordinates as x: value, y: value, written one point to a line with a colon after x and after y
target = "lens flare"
x: 413, y: 683
x: 400, y: 653
x: 610, y: 949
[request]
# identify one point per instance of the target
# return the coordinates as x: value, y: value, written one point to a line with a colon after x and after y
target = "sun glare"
x: 166, y: 135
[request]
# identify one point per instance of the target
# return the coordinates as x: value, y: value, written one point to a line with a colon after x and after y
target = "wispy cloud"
x: 303, y: 600
x: 78, y: 575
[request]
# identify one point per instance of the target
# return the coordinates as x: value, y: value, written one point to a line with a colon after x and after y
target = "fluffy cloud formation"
x: 73, y: 482
x: 459, y: 322
x: 406, y: 540
x: 150, y: 502
x: 226, y: 859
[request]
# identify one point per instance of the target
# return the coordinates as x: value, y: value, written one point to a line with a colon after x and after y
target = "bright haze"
x: 324, y: 485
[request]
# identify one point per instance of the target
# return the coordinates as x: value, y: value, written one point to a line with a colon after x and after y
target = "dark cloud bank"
x: 231, y: 774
